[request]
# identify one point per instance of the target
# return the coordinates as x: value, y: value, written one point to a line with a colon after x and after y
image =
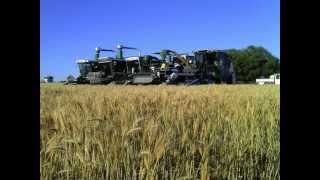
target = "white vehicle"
x: 273, y: 79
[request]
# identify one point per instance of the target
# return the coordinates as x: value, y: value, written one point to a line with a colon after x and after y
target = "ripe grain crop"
x: 159, y: 132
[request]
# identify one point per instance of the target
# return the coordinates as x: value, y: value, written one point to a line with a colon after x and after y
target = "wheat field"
x: 159, y: 132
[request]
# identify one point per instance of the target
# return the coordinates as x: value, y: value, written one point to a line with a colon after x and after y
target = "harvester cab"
x: 149, y: 63
x: 148, y: 70
x: 94, y: 71
x: 132, y: 64
x: 85, y: 66
x: 140, y: 69
x: 214, y: 65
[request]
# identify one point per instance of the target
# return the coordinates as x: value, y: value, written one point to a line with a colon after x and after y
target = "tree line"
x: 253, y: 62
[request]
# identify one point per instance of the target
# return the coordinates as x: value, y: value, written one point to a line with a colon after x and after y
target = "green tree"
x: 252, y: 62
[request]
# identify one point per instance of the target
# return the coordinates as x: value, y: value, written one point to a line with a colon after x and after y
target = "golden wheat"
x: 160, y: 132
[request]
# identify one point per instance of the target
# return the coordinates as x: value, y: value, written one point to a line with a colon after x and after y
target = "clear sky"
x: 71, y: 29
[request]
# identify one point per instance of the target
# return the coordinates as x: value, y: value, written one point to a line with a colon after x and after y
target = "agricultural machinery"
x: 104, y: 70
x: 203, y: 67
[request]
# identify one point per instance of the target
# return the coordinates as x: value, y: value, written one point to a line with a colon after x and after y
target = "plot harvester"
x: 170, y: 67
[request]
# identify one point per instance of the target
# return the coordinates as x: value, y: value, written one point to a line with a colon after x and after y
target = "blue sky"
x: 71, y: 29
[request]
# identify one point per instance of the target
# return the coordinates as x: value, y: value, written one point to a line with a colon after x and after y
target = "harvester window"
x: 84, y: 68
x: 168, y: 59
x: 200, y: 58
x: 106, y: 68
